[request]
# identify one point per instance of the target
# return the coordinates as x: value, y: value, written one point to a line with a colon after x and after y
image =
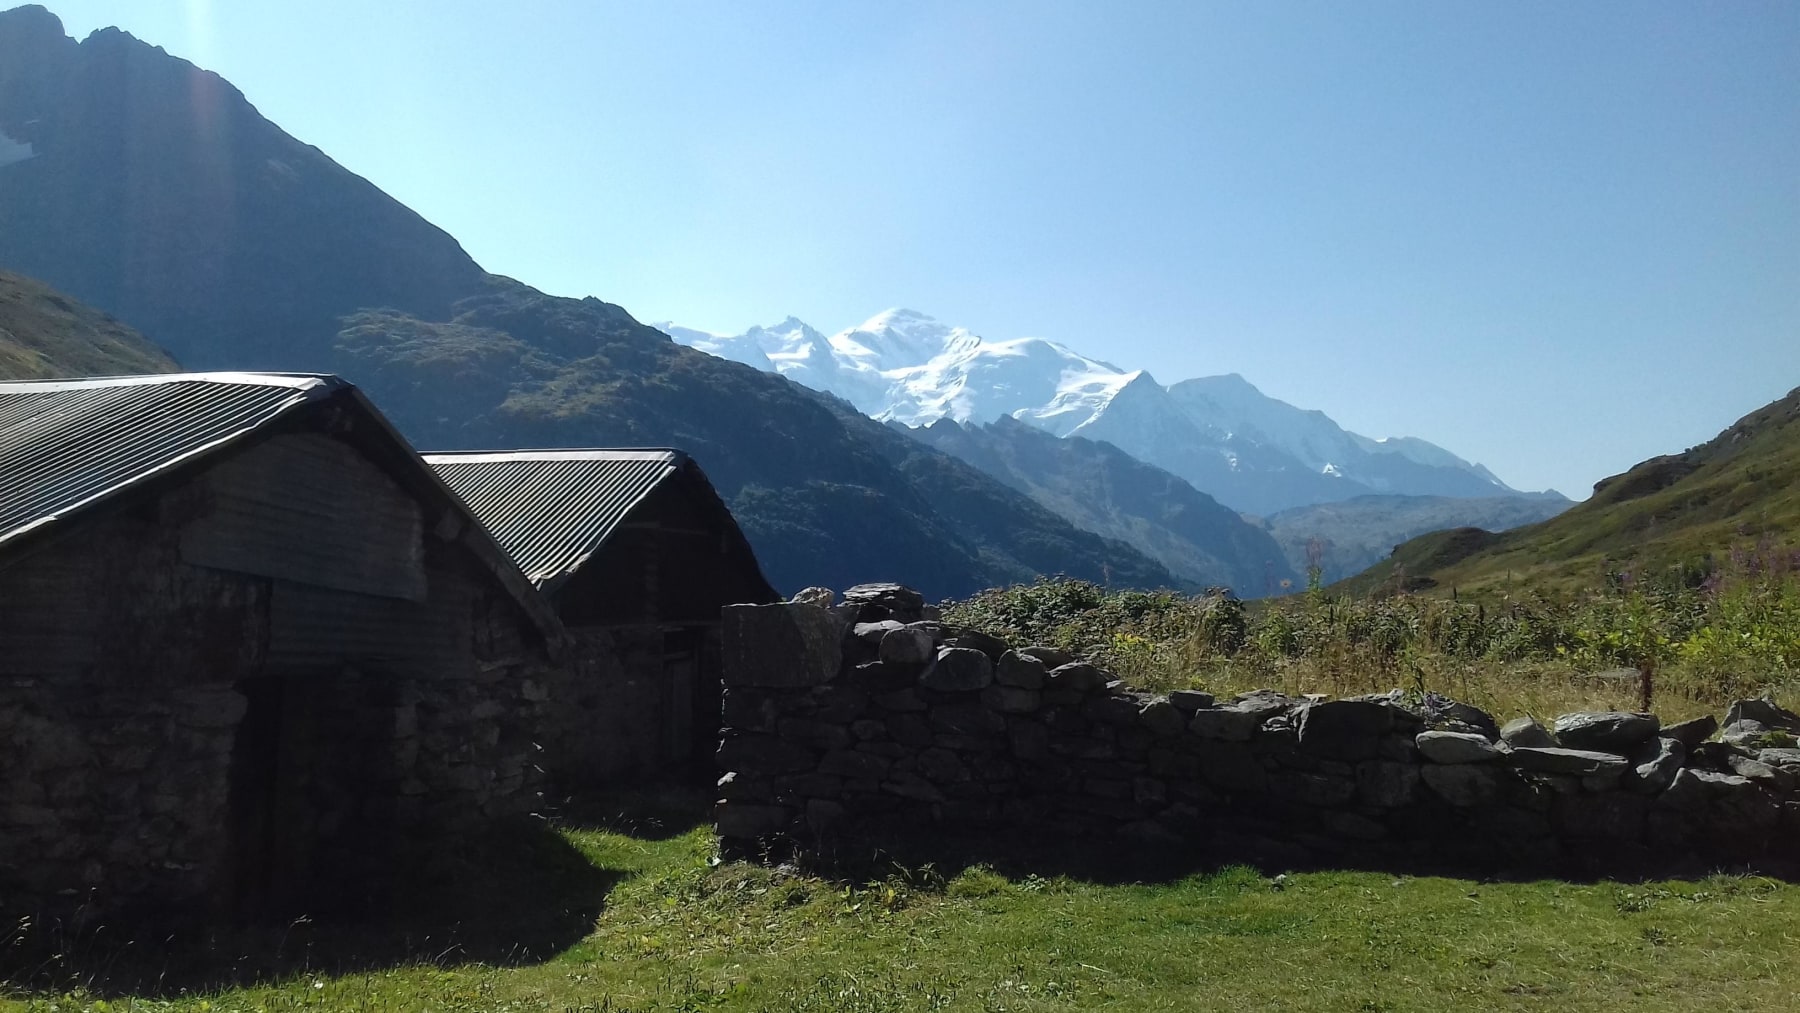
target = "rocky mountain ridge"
x: 1220, y: 434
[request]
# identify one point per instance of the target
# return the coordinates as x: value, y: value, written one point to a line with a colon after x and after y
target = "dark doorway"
x: 311, y: 797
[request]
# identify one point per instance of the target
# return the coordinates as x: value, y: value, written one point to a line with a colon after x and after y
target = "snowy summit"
x: 1220, y: 433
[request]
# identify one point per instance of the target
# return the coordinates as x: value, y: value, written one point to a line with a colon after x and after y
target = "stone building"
x: 253, y: 653
x: 637, y: 554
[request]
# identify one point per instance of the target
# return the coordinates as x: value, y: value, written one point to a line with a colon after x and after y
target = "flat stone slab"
x: 1456, y: 747
x: 1779, y: 757
x: 1190, y: 700
x: 1604, y: 730
x: 1579, y: 762
x: 1238, y: 720
x: 887, y: 595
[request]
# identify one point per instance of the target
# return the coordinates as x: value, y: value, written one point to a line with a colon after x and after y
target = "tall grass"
x: 1683, y: 641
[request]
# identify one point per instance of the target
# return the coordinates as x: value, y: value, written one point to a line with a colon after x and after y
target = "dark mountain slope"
x: 1101, y: 488
x: 1741, y: 486
x: 158, y: 194
x: 45, y: 334
x: 155, y: 191
x: 826, y: 494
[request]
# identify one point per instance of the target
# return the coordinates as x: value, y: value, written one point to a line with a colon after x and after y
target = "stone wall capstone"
x: 866, y: 721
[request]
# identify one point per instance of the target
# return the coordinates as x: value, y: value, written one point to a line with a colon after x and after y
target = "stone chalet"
x: 637, y: 554
x: 253, y: 653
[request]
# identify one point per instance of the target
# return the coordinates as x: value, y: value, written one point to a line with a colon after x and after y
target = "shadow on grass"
x: 653, y: 811
x: 516, y: 895
x: 1112, y: 861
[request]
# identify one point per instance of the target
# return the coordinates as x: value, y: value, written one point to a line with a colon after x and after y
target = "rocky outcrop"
x: 899, y: 724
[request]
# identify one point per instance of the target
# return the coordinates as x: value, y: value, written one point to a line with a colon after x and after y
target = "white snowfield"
x: 904, y: 366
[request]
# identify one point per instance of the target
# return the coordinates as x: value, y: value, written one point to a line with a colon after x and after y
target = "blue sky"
x: 1555, y: 238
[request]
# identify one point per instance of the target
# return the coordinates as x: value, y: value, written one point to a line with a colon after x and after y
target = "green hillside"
x: 1740, y: 487
x: 45, y: 334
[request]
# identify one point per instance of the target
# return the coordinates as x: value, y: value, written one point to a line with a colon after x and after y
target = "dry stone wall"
x: 866, y: 720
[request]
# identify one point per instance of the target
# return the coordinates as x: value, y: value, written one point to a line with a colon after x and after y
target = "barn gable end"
x: 253, y: 656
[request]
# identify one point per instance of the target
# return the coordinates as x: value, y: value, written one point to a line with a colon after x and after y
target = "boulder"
x: 1344, y: 719
x: 1611, y: 731
x: 1020, y: 670
x: 1654, y: 765
x: 1462, y: 784
x: 1577, y: 762
x: 1456, y: 747
x: 1386, y: 783
x: 1764, y: 712
x: 1012, y: 699
x: 958, y: 670
x: 1077, y: 677
x: 1162, y: 718
x: 1120, y: 710
x: 906, y: 646
x: 822, y: 597
x: 993, y: 647
x: 1526, y: 731
x: 1692, y: 732
x: 1694, y: 789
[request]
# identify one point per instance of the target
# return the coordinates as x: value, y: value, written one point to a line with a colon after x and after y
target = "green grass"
x: 45, y: 334
x: 679, y: 932
x: 1741, y: 486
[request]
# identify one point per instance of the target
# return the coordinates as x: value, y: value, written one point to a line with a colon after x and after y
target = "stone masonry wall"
x: 125, y: 716
x: 866, y: 720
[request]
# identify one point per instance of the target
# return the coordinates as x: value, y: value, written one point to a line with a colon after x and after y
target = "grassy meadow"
x: 633, y: 910
x: 678, y: 931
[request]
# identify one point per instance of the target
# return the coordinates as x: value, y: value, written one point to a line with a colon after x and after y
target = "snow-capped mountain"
x: 1253, y: 452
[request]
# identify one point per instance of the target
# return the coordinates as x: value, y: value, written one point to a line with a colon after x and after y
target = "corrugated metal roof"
x: 68, y: 444
x: 551, y: 509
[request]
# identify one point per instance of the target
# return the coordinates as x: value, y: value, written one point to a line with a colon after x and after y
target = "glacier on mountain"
x: 1251, y: 451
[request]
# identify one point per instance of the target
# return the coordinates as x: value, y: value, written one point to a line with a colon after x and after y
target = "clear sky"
x: 1555, y: 238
